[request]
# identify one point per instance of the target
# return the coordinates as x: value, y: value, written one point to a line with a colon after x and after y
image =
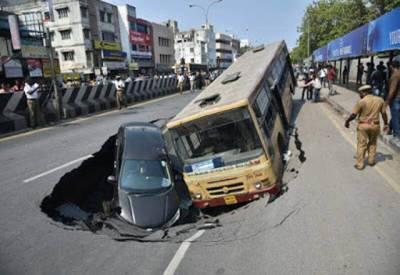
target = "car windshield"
x: 229, y: 135
x: 143, y: 176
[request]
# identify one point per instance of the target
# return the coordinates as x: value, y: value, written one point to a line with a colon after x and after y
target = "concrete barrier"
x: 78, y: 101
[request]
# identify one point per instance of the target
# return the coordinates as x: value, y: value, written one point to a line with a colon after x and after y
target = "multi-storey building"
x: 196, y: 46
x: 164, y: 52
x: 137, y: 39
x: 223, y: 50
x: 84, y: 33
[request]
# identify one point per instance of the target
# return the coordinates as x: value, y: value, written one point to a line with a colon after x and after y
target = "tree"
x: 326, y: 20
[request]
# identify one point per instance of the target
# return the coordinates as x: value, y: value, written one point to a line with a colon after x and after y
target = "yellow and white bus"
x: 230, y: 140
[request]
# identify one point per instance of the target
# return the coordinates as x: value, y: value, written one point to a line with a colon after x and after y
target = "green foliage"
x: 326, y: 20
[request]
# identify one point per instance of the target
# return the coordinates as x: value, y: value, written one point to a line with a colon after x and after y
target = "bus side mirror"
x: 111, y: 179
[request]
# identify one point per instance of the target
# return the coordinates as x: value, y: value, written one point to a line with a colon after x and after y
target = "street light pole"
x: 205, y: 10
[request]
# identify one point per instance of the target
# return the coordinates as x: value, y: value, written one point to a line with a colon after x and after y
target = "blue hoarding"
x: 321, y: 54
x: 114, y: 55
x: 350, y: 45
x: 384, y: 32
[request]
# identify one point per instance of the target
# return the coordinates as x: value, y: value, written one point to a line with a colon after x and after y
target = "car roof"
x: 142, y: 141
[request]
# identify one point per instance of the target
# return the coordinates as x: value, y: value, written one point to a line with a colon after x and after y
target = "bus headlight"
x: 197, y: 196
x: 257, y: 185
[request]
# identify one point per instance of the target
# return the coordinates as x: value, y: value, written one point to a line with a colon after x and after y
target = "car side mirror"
x: 111, y: 179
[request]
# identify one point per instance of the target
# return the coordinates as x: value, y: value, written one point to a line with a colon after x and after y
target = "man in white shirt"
x: 120, y: 87
x: 192, y: 79
x: 181, y: 81
x: 31, y: 90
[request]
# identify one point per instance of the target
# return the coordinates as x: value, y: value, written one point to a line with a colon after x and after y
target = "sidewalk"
x: 343, y: 102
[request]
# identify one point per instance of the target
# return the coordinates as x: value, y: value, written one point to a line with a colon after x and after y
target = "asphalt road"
x: 332, y: 220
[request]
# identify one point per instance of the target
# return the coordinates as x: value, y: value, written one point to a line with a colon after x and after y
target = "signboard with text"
x: 12, y: 68
x: 34, y: 67
x: 140, y: 38
x: 104, y: 45
x: 143, y: 55
x: 47, y: 67
x: 113, y: 55
x: 34, y: 52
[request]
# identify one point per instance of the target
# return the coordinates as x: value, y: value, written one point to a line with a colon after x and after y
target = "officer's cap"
x: 117, y: 77
x: 365, y: 88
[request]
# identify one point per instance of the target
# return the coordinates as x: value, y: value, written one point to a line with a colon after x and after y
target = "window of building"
x: 68, y: 56
x: 65, y: 34
x: 46, y: 15
x: 134, y: 47
x: 51, y: 34
x: 102, y: 16
x: 108, y: 36
x: 192, y: 60
x: 141, y: 28
x: 165, y: 59
x: 109, y: 17
x: 192, y: 50
x: 89, y: 56
x: 84, y: 12
x: 163, y: 42
x: 62, y: 13
x: 86, y: 33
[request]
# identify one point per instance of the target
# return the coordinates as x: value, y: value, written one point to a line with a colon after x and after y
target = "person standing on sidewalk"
x: 316, y: 87
x: 331, y: 78
x: 31, y: 90
x: 378, y: 79
x: 120, y: 87
x: 322, y: 76
x: 369, y: 71
x: 360, y: 72
x: 345, y: 74
x: 367, y: 110
x: 192, y: 80
x: 393, y: 98
x: 181, y: 82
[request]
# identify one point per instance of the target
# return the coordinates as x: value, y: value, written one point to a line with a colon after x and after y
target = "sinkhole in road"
x: 80, y: 200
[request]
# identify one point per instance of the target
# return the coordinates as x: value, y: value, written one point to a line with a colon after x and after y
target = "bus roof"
x: 252, y: 67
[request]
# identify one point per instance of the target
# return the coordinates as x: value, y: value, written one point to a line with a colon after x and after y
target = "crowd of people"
x: 195, y: 80
x: 384, y: 82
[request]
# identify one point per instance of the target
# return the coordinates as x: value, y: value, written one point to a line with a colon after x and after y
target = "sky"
x: 261, y: 21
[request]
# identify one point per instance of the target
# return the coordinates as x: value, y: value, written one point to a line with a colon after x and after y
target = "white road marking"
x: 56, y: 169
x: 180, y: 253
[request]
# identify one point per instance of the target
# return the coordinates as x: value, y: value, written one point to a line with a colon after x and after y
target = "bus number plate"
x: 230, y: 200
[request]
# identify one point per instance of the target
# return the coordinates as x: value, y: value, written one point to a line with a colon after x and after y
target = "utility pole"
x: 308, y: 36
x: 57, y: 94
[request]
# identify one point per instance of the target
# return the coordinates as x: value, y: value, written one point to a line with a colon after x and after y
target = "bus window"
x: 230, y: 135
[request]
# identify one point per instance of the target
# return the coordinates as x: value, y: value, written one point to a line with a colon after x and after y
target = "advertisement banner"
x: 384, y: 32
x: 140, y: 38
x: 47, y: 67
x: 321, y: 54
x: 350, y: 45
x: 113, y: 55
x: 143, y: 55
x: 12, y: 67
x: 33, y: 52
x: 14, y: 31
x: 34, y: 67
x: 104, y: 45
x: 114, y: 65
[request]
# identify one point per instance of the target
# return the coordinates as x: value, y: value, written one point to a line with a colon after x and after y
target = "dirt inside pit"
x: 77, y: 201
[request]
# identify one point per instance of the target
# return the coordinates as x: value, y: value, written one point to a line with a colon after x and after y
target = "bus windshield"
x: 230, y: 135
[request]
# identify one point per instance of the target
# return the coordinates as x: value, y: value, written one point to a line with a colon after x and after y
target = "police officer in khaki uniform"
x: 368, y: 129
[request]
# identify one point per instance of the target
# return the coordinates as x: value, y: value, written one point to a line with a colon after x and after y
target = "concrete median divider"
x: 79, y: 101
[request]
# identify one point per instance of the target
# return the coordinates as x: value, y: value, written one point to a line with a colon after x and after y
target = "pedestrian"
x: 316, y: 85
x: 367, y: 109
x: 31, y: 90
x: 331, y: 78
x: 360, y: 72
x: 181, y: 81
x: 378, y: 79
x: 120, y: 87
x: 17, y: 86
x: 199, y: 80
x: 207, y: 79
x: 369, y: 71
x: 4, y: 88
x: 192, y: 80
x: 345, y: 74
x: 393, y: 98
x: 322, y: 76
x: 306, y: 80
